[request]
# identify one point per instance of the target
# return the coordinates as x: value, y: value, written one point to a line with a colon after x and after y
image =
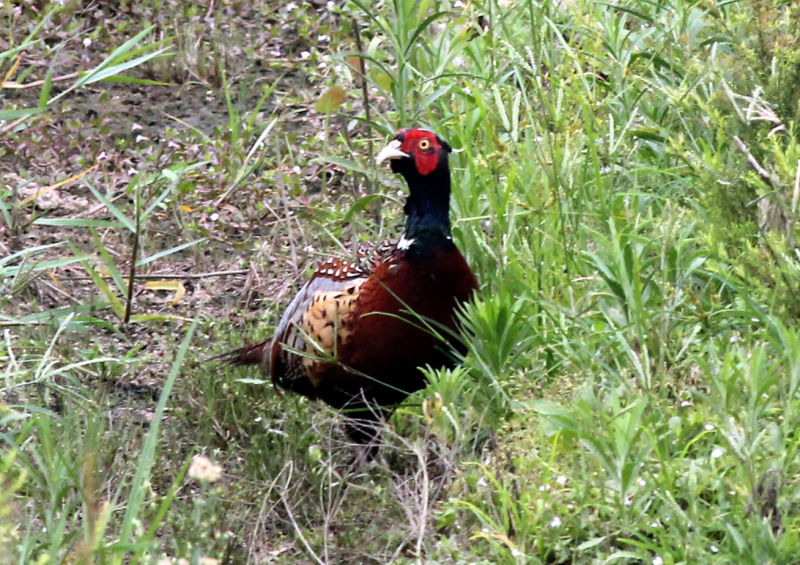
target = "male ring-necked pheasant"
x: 355, y: 336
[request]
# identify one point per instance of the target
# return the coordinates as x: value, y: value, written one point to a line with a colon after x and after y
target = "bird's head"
x: 415, y: 152
x: 421, y: 157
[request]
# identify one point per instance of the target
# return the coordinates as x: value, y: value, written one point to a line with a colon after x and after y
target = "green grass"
x: 625, y: 188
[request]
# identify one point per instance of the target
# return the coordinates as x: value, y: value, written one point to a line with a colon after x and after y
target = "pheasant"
x: 356, y: 335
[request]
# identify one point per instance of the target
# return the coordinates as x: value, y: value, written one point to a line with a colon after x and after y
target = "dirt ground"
x: 257, y: 241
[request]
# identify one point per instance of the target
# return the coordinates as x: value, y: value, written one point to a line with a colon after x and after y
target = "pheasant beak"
x: 391, y: 151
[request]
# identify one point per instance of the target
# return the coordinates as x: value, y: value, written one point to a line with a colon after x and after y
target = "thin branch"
x: 796, y: 191
x: 424, y: 503
x: 362, y: 69
x: 375, y: 205
x: 134, y: 253
x: 297, y: 530
x: 40, y: 82
x: 58, y: 290
x: 170, y: 277
x: 12, y: 125
x: 771, y: 181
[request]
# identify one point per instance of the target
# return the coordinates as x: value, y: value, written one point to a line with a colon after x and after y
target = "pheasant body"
x: 356, y: 335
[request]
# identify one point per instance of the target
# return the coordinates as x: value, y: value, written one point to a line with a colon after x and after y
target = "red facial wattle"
x: 426, y: 157
x: 426, y: 162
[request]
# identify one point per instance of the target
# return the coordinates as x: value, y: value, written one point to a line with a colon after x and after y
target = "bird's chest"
x: 427, y: 286
x: 403, y: 307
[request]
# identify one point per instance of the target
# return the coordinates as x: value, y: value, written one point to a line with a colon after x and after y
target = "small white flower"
x: 87, y: 42
x: 203, y: 469
x: 657, y: 560
x: 291, y: 6
x: 555, y: 522
x: 717, y: 452
x: 709, y: 427
x: 641, y: 482
x: 214, y: 217
x: 297, y: 170
x: 323, y: 38
x: 482, y: 483
x: 515, y: 552
x: 714, y: 549
x: 561, y: 479
x: 305, y: 54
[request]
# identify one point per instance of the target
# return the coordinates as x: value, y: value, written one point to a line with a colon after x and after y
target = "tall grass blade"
x: 144, y: 466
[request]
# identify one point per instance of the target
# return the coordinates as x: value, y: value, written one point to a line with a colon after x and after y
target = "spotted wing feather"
x: 314, y: 323
x: 369, y: 255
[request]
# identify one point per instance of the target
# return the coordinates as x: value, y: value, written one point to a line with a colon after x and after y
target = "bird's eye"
x: 424, y: 144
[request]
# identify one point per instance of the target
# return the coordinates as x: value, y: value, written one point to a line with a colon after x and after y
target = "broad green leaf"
x: 331, y: 100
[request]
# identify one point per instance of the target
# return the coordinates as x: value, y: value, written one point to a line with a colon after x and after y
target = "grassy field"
x: 626, y: 188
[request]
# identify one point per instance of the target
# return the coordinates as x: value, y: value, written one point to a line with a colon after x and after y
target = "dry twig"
x: 770, y: 180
